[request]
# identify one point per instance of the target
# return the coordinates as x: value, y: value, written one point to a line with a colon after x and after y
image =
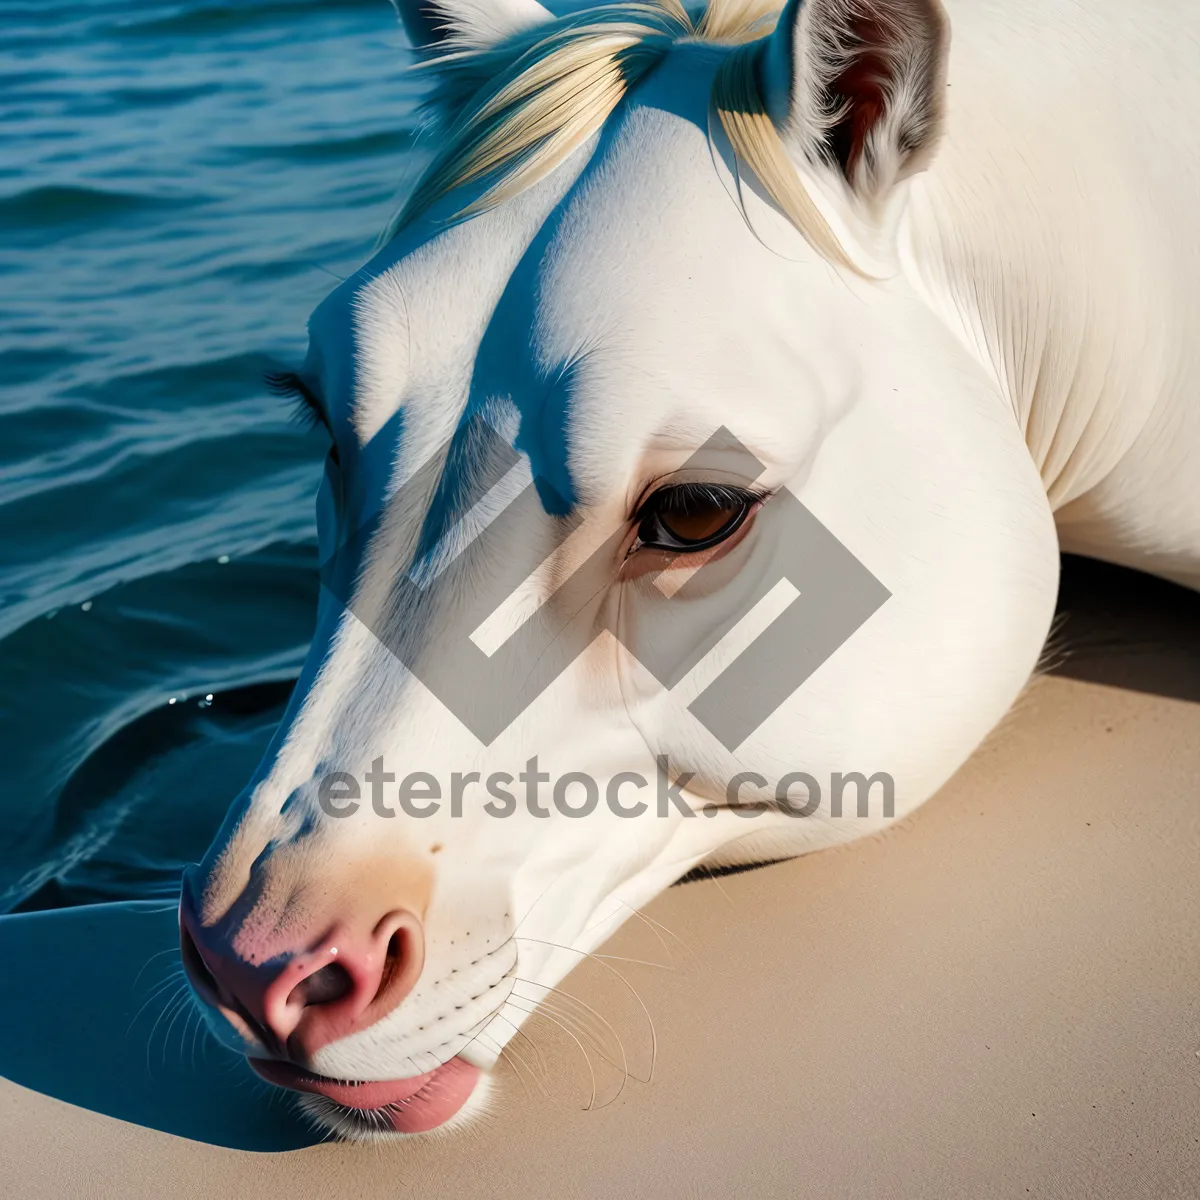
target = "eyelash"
x: 305, y: 407
x: 711, y: 493
x: 678, y: 498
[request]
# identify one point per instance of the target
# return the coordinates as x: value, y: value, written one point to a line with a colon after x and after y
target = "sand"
x: 999, y: 998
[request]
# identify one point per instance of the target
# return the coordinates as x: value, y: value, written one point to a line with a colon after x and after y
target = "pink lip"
x: 411, y: 1105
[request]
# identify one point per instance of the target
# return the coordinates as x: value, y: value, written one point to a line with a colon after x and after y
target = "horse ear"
x: 473, y: 23
x: 859, y: 84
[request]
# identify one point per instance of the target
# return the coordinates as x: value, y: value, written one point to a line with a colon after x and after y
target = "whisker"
x: 537, y: 1012
x: 716, y: 881
x: 181, y: 1007
x: 146, y: 964
x: 189, y: 1014
x: 512, y: 1059
x: 600, y: 958
x: 540, y: 898
x: 175, y: 978
x: 574, y: 1021
x: 200, y: 1037
x: 557, y: 992
x: 658, y: 928
x: 636, y: 962
x: 170, y: 1007
x: 519, y: 1032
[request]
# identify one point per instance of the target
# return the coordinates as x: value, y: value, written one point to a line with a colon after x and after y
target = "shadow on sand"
x: 1126, y: 630
x: 92, y: 1014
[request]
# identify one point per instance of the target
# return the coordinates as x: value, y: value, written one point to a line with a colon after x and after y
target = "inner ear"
x: 859, y: 92
x: 867, y: 85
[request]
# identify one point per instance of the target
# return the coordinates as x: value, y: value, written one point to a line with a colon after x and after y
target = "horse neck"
x: 1011, y: 240
x: 1054, y: 235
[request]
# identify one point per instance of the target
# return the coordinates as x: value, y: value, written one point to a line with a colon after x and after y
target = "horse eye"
x: 688, y: 517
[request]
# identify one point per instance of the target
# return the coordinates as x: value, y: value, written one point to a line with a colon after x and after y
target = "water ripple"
x: 180, y: 180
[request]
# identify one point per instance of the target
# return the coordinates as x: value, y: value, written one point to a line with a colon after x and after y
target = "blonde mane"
x: 518, y: 108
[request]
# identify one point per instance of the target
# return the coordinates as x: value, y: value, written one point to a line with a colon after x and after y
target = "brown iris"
x: 687, y: 517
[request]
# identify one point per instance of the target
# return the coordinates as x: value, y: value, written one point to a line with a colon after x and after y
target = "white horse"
x: 933, y: 276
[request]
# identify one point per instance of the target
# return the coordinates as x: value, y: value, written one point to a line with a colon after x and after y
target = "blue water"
x: 178, y: 184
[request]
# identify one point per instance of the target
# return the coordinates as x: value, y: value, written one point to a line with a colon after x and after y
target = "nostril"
x: 296, y: 1002
x: 392, y: 962
x: 330, y: 983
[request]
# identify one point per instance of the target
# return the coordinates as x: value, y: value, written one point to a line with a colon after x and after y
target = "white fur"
x: 1031, y: 361
x: 466, y: 22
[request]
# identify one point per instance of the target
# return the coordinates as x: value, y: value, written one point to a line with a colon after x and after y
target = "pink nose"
x: 297, y: 1002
